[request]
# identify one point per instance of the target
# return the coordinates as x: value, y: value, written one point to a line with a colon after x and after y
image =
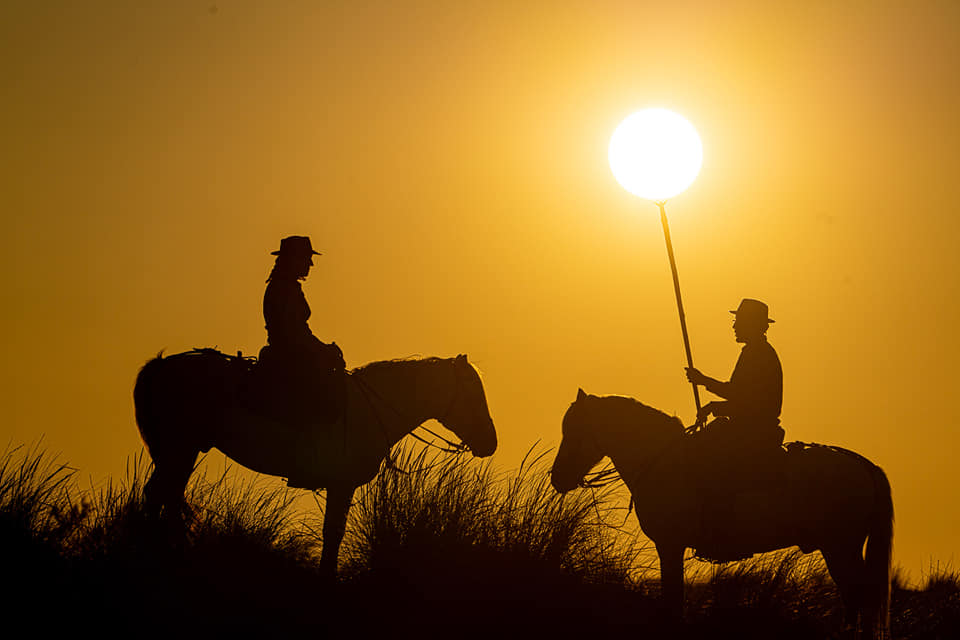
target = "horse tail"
x: 144, y: 400
x: 879, y: 555
x: 161, y: 418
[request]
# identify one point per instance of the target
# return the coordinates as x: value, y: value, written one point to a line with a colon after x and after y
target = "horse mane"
x: 379, y: 365
x: 634, y: 411
x: 625, y: 414
x: 793, y: 447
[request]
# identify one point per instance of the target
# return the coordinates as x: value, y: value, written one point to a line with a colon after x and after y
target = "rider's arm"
x: 718, y: 387
x: 720, y: 408
x: 732, y: 389
x: 712, y: 385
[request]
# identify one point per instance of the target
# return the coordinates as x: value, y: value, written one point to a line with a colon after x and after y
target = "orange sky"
x: 450, y: 162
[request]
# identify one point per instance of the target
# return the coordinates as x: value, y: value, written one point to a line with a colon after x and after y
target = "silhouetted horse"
x: 190, y: 402
x: 832, y: 500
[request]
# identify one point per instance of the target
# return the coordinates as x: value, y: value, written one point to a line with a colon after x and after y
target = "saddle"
x: 299, y: 393
x: 268, y: 388
x: 731, y: 479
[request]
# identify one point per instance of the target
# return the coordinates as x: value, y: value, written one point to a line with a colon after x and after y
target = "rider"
x: 754, y: 394
x: 738, y: 449
x: 308, y: 371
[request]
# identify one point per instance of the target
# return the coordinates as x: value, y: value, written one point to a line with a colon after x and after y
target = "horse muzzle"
x: 562, y: 484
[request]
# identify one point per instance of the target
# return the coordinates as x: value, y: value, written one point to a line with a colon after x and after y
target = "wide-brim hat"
x: 296, y: 245
x: 753, y: 310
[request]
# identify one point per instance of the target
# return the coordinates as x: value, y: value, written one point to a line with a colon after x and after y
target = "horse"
x: 190, y: 402
x: 832, y: 500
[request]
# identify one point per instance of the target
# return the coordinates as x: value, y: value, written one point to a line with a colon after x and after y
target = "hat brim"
x: 313, y: 253
x: 770, y: 320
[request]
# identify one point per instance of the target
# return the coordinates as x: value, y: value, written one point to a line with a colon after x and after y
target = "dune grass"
x: 443, y: 510
x: 501, y: 549
x: 95, y: 554
x: 36, y: 505
x: 439, y: 544
x: 785, y: 594
x: 932, y: 609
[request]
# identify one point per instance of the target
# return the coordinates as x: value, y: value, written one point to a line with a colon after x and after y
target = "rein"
x: 609, y: 475
x: 451, y: 447
x: 600, y: 479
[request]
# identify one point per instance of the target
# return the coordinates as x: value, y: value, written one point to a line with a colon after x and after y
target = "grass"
x: 95, y: 558
x: 457, y: 507
x: 786, y: 594
x: 931, y: 611
x: 454, y: 532
x: 36, y: 509
x: 441, y: 545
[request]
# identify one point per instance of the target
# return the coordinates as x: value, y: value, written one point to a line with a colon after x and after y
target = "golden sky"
x: 450, y: 162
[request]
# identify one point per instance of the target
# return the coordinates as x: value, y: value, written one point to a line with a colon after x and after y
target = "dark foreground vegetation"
x: 445, y: 546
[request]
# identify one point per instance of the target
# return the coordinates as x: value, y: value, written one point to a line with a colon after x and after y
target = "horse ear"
x: 461, y: 358
x: 580, y: 394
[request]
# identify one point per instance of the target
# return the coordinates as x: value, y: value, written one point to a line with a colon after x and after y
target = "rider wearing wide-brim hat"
x: 740, y: 448
x: 285, y: 308
x: 754, y: 394
x: 293, y: 353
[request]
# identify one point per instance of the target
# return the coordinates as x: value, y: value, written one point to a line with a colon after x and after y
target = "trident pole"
x: 676, y: 289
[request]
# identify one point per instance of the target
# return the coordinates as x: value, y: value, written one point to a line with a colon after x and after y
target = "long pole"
x: 676, y: 289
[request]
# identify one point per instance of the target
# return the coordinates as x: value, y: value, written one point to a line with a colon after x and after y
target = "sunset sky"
x: 451, y: 163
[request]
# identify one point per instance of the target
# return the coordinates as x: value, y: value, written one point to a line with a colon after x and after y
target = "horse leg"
x: 671, y: 580
x: 848, y: 572
x: 334, y: 526
x: 163, y: 493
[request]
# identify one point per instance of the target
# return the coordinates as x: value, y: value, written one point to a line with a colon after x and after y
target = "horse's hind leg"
x: 848, y: 572
x: 163, y: 493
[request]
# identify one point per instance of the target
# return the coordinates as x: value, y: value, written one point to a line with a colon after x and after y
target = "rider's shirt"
x: 286, y: 312
x: 755, y: 390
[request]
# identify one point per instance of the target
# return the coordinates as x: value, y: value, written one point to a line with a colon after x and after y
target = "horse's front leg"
x: 334, y: 526
x: 671, y: 579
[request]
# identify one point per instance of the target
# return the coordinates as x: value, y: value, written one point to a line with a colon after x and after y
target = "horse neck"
x: 407, y: 393
x: 630, y: 435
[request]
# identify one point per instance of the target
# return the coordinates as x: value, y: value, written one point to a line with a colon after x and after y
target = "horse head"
x: 468, y: 415
x: 579, y: 450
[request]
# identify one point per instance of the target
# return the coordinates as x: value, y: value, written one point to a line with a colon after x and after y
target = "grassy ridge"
x: 452, y: 537
x: 440, y: 545
x: 438, y: 506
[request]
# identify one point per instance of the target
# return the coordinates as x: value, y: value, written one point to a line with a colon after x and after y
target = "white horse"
x: 833, y: 501
x: 190, y: 402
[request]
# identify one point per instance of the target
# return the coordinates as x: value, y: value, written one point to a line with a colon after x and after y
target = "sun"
x: 655, y: 154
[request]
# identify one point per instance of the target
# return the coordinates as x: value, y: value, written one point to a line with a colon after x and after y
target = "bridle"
x: 451, y: 447
x: 609, y: 475
x: 369, y: 391
x: 602, y: 479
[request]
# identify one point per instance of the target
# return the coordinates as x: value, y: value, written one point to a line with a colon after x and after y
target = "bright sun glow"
x: 655, y: 154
